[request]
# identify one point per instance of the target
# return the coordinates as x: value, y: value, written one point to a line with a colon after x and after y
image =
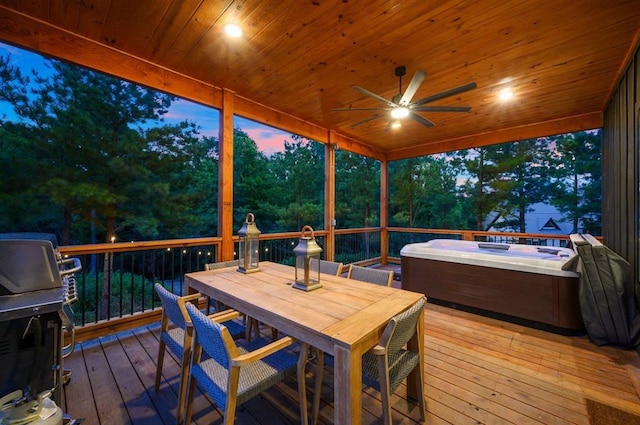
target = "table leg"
x: 347, y: 378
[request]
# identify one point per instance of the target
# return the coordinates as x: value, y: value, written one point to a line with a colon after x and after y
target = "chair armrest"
x: 182, y: 304
x: 262, y: 352
x: 379, y: 350
x: 224, y: 316
x: 190, y: 297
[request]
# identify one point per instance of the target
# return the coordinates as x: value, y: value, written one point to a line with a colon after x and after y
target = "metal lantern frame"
x: 307, y: 250
x: 249, y: 246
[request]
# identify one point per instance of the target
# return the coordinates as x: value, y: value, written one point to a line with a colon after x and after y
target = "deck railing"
x: 132, y: 268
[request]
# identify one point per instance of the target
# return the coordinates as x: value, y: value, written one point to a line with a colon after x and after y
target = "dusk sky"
x: 268, y: 139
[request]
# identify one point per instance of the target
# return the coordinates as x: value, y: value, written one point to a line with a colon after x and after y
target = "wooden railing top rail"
x: 178, y: 243
x: 136, y: 246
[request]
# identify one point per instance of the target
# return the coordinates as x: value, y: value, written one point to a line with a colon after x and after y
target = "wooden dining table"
x: 344, y: 318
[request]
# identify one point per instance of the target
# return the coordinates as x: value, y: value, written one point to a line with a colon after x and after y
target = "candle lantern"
x: 307, y: 250
x: 248, y: 249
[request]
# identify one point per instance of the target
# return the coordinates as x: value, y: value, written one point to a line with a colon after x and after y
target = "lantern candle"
x: 307, y: 250
x: 248, y: 249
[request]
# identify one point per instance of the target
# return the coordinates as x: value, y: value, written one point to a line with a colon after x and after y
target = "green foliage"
x: 357, y: 191
x: 126, y: 288
x: 87, y: 164
x: 577, y: 173
x: 420, y: 189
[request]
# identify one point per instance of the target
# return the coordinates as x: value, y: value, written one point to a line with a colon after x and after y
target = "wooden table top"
x: 343, y: 312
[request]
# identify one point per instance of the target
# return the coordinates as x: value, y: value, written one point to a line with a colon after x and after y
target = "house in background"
x: 541, y: 218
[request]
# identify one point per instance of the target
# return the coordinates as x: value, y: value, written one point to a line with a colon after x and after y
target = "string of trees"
x: 90, y: 157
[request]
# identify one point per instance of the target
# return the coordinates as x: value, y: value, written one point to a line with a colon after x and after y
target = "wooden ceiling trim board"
x: 205, y: 18
x: 169, y: 28
x: 58, y: 43
x: 65, y: 12
x: 116, y: 29
x: 91, y: 18
x: 145, y: 23
x: 560, y: 126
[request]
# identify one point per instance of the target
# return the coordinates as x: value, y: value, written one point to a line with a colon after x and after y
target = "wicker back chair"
x: 232, y: 374
x: 387, y: 364
x: 327, y: 267
x: 371, y: 275
x: 173, y: 336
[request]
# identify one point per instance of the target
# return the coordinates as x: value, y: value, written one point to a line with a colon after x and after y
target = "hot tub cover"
x: 607, y: 294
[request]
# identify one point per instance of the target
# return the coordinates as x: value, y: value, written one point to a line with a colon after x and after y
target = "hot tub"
x: 534, y: 285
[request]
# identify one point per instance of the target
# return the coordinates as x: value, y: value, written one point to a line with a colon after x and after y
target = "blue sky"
x: 268, y: 139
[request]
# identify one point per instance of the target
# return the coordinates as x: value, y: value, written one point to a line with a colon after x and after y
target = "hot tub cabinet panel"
x: 544, y: 298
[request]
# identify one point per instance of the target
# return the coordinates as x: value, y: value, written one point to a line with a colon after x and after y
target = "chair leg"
x: 385, y: 393
x: 184, y: 377
x: 189, y: 401
x: 420, y: 392
x: 232, y: 394
x: 159, y: 366
x: 302, y: 388
x: 318, y: 386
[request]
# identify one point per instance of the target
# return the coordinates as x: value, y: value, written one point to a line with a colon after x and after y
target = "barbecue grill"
x: 37, y: 288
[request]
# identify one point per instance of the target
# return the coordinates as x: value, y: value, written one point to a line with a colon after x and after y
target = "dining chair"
x: 233, y: 374
x: 371, y: 275
x: 327, y: 267
x: 386, y: 365
x: 174, y: 336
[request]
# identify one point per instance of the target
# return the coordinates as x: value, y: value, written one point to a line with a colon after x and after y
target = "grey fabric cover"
x: 607, y: 294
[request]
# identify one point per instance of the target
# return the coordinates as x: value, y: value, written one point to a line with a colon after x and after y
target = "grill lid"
x: 27, y: 265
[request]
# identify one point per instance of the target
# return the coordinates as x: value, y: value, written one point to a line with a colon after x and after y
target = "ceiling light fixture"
x: 505, y: 94
x: 233, y: 30
x: 400, y: 112
x: 396, y: 124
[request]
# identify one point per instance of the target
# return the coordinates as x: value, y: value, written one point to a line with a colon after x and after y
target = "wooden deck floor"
x: 478, y: 371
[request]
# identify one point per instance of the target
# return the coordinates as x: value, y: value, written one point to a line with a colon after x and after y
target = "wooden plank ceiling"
x: 562, y: 59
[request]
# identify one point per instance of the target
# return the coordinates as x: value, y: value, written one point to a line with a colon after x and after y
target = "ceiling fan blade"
x: 362, y: 109
x: 444, y: 94
x: 421, y: 120
x: 413, y: 87
x: 375, y: 96
x: 371, y: 118
x: 442, y: 109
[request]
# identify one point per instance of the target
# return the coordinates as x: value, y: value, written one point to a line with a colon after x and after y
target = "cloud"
x: 268, y: 139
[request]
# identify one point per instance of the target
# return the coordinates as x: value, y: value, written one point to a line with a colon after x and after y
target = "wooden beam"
x: 352, y: 145
x: 225, y: 178
x: 254, y: 111
x: 548, y: 128
x: 330, y: 196
x: 384, y: 210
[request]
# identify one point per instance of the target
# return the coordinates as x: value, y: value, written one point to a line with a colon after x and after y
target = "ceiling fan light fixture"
x: 400, y: 112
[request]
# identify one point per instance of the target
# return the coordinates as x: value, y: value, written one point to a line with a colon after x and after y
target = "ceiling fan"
x: 401, y: 106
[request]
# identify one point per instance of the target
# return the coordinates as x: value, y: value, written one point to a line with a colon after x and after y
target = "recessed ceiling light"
x: 400, y: 112
x: 233, y: 30
x: 505, y: 94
